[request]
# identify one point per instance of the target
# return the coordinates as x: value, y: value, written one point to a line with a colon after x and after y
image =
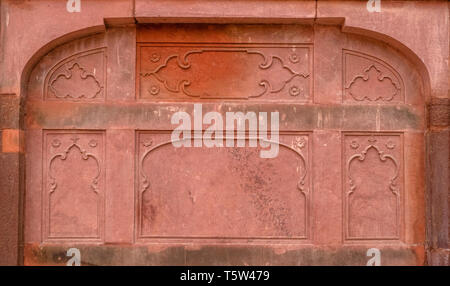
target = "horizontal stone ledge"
x: 157, y: 116
x: 182, y: 10
x: 183, y: 254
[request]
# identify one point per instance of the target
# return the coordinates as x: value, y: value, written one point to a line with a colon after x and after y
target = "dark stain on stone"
x: 221, y: 255
x: 157, y: 116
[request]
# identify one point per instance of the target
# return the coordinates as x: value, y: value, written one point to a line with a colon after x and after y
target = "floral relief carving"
x: 373, y: 86
x: 368, y: 79
x: 240, y: 73
x: 80, y: 77
x: 76, y: 83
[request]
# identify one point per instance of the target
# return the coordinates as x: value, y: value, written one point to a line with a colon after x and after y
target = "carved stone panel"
x: 226, y: 193
x: 73, y: 188
x: 102, y: 173
x: 370, y: 80
x: 81, y: 77
x: 225, y: 71
x: 373, y: 186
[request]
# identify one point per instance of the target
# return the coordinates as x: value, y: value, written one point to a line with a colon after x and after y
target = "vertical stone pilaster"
x: 11, y: 180
x: 438, y: 201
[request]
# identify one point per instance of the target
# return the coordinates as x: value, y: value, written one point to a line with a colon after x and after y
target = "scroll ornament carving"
x: 182, y: 84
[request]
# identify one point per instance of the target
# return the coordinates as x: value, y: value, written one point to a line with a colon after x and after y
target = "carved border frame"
x: 232, y: 47
x: 399, y: 238
x: 46, y: 164
x: 308, y: 195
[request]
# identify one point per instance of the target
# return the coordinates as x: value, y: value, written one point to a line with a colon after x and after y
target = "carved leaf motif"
x: 76, y: 83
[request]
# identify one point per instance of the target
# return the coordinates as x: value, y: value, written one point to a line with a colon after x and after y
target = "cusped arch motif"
x: 84, y: 155
x: 372, y: 200
x: 297, y: 144
x: 300, y: 148
x: 383, y: 157
x: 73, y: 186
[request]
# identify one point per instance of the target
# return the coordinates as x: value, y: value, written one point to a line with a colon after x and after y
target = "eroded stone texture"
x: 9, y: 111
x: 9, y: 204
x: 439, y: 112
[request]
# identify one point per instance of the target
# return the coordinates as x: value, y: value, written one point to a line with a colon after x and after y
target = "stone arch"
x: 96, y: 33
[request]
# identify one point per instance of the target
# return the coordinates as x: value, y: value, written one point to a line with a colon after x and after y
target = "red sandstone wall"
x: 30, y: 29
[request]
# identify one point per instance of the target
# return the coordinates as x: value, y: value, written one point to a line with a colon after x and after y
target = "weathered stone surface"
x: 439, y: 257
x: 185, y: 255
x: 9, y: 111
x: 438, y: 172
x: 12, y: 141
x: 439, y: 110
x: 222, y: 196
x: 157, y: 116
x: 236, y: 11
x: 367, y: 93
x: 9, y: 208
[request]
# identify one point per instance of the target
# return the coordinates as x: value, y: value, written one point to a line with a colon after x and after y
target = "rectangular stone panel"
x: 269, y: 72
x: 373, y: 186
x: 73, y: 188
x: 227, y: 193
